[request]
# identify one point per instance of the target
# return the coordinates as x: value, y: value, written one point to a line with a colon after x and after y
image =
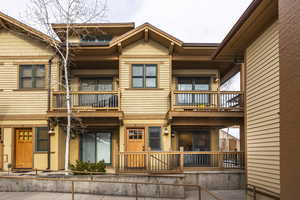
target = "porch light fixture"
x: 166, y: 131
x: 51, y: 131
x: 216, y: 79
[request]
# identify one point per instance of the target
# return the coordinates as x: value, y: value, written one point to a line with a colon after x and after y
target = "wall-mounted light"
x: 166, y: 131
x: 51, y: 131
x: 216, y: 79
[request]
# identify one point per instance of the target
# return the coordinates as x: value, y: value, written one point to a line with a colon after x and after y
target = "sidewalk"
x: 222, y: 194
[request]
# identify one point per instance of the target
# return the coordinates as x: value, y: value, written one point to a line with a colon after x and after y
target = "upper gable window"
x: 96, y: 38
x: 32, y: 76
x: 144, y: 76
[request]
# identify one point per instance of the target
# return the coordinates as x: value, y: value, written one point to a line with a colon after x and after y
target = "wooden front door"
x: 23, y: 148
x: 135, y: 143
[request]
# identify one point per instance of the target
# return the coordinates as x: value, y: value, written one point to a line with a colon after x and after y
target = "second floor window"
x: 193, y: 84
x: 32, y: 76
x: 100, y: 84
x: 96, y: 84
x: 144, y: 76
x: 96, y: 38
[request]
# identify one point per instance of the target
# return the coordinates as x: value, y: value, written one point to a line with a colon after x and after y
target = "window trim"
x: 160, y: 138
x: 37, y: 139
x: 144, y: 77
x: 19, y: 81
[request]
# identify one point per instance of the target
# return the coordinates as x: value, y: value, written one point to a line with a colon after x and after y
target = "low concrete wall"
x: 224, y: 180
x: 217, y: 180
x: 9, y: 184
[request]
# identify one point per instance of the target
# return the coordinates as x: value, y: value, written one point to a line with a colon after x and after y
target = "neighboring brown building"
x: 267, y: 39
x: 228, y: 142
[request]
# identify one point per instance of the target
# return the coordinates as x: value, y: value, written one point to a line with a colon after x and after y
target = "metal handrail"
x: 257, y: 189
x: 199, y: 188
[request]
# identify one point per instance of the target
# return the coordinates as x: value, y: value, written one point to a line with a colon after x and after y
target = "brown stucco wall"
x: 289, y: 20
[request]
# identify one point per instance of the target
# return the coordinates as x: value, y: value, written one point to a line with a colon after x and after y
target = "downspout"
x: 49, y: 108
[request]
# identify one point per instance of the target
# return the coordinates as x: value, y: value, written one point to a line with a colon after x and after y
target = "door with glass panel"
x: 135, y: 143
x: 96, y: 146
x: 97, y: 85
x: 23, y: 148
x: 193, y: 84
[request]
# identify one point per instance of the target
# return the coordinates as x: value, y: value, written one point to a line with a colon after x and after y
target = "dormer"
x: 100, y: 33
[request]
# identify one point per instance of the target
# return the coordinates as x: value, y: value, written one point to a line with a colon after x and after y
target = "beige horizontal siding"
x: 263, y: 141
x: 145, y: 101
x: 12, y: 44
x: 8, y: 76
x: 145, y: 48
x: 16, y: 50
x: 23, y: 102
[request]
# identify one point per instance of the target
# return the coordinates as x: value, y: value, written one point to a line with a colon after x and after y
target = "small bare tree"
x: 44, y: 13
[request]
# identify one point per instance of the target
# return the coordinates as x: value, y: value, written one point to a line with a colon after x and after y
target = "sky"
x: 188, y: 20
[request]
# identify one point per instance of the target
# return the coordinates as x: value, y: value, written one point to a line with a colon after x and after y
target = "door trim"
x: 126, y: 137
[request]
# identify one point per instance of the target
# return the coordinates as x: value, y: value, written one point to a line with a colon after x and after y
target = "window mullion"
x: 144, y: 78
x: 33, y: 76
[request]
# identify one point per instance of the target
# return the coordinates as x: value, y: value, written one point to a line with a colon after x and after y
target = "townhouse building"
x: 142, y: 100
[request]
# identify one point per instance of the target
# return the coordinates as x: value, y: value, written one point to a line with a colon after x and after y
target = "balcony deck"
x: 207, y: 104
x: 86, y: 104
x: 182, y: 103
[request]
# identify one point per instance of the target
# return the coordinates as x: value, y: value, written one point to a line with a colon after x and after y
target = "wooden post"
x: 119, y: 100
x: 181, y: 149
x: 172, y: 99
x: 221, y: 159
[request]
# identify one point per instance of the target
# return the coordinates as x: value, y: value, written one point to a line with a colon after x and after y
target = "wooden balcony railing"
x: 82, y: 100
x: 207, y: 100
x: 177, y: 161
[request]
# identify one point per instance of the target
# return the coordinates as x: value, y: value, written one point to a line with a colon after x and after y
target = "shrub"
x: 88, y: 167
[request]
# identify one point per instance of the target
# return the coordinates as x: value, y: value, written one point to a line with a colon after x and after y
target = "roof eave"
x: 251, y: 8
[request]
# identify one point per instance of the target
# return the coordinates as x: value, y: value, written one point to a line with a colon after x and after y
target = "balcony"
x: 85, y: 102
x: 207, y: 103
x: 179, y: 161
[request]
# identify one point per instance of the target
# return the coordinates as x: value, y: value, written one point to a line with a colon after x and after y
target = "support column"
x: 7, y: 147
x: 242, y: 137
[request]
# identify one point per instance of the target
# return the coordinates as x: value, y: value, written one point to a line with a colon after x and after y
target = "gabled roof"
x: 7, y: 21
x: 78, y: 28
x: 146, y: 27
x: 147, y: 31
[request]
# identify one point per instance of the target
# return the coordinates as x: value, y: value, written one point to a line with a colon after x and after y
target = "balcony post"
x: 119, y: 100
x: 181, y: 149
x: 172, y: 100
x: 242, y: 77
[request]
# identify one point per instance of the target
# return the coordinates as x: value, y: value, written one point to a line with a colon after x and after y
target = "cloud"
x: 192, y: 20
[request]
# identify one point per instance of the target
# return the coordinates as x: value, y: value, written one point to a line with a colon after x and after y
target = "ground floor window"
x: 42, y: 142
x: 154, y: 138
x: 96, y: 147
x: 198, y: 140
